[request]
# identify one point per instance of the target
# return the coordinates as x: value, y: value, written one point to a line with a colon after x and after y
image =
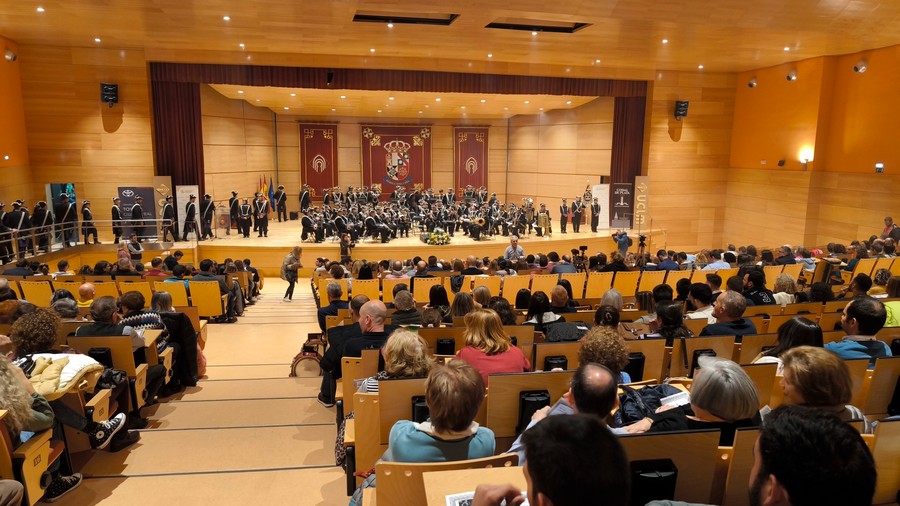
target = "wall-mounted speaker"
x: 109, y: 93
x: 681, y: 109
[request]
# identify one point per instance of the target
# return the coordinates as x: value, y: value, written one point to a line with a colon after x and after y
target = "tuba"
x: 479, y: 221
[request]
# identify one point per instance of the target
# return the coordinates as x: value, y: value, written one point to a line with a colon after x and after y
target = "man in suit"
x: 335, y: 302
x: 190, y: 218
x: 137, y: 217
x: 563, y: 216
x: 281, y: 203
x: 305, y: 198
x: 87, y: 222
x: 67, y: 216
x: 577, y: 210
x: 595, y: 214
x: 169, y: 221
x: 261, y: 211
x: 207, y: 209
x: 234, y: 207
x: 787, y: 257
x: 117, y: 220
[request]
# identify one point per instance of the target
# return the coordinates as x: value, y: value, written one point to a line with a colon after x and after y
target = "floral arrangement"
x: 436, y: 237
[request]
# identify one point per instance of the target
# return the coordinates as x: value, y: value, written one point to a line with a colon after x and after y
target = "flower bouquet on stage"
x: 436, y: 237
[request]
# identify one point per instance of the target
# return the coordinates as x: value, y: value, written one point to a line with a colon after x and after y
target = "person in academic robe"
x: 233, y: 211
x: 137, y: 218
x: 87, y: 222
x: 118, y: 222
x: 207, y: 210
x: 43, y: 220
x: 67, y: 216
x: 190, y: 219
x: 595, y: 214
x: 563, y: 216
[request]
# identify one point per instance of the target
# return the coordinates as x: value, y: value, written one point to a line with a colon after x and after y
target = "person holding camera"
x: 622, y: 241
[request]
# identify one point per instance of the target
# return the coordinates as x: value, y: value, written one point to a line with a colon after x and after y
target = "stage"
x: 267, y: 253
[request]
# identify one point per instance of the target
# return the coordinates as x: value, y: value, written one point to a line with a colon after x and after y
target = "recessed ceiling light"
x: 568, y: 102
x: 286, y: 108
x: 390, y: 25
x: 390, y: 98
x: 6, y: 157
x: 96, y: 39
x: 332, y: 110
x: 249, y: 57
x: 343, y: 96
x: 568, y: 69
x: 437, y: 99
x: 372, y: 50
x: 483, y: 100
x: 40, y: 9
x: 786, y: 48
x: 541, y: 108
x: 490, y: 55
x: 420, y: 112
x: 226, y: 18
x: 596, y: 61
x: 379, y: 110
x: 240, y: 92
x: 665, y: 41
x: 533, y: 34
x: 293, y: 94
x: 257, y: 100
x: 528, y: 101
x: 506, y: 108
x: 700, y: 67
x: 426, y: 107
x: 462, y: 107
x: 241, y: 45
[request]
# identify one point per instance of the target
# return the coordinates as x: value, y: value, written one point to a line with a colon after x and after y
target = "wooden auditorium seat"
x: 205, y: 296
x: 763, y: 376
x: 570, y: 351
x: 543, y: 283
x: 649, y: 279
x: 578, y: 280
x: 880, y: 386
x: 742, y: 459
x: 887, y: 461
x: 178, y: 292
x: 36, y: 292
x: 503, y: 397
x: 512, y: 285
x: 598, y: 283
x: 28, y: 463
x: 655, y: 355
x: 723, y: 346
x: 626, y: 282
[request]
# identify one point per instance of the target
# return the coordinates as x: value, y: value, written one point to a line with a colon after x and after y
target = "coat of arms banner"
x: 396, y: 156
x: 318, y: 155
x: 470, y: 157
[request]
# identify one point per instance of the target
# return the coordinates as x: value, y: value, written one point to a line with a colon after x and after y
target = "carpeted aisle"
x: 247, y: 434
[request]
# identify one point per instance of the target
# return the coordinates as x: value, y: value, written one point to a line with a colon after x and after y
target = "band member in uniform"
x: 6, y: 248
x: 308, y: 227
x: 207, y: 209
x: 245, y: 217
x: 117, y: 221
x: 261, y: 210
x: 68, y: 220
x: 43, y: 220
x: 190, y: 219
x: 595, y: 215
x: 544, y: 224
x: 17, y: 220
x: 281, y: 203
x: 87, y: 222
x: 169, y: 224
x: 563, y: 216
x: 137, y: 217
x: 305, y: 198
x: 577, y: 210
x: 233, y: 211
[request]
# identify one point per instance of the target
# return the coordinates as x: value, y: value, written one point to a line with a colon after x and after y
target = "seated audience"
x: 820, y: 292
x: 337, y: 339
x: 755, y: 288
x: 607, y: 316
x: 462, y: 305
x: 559, y: 300
x: 431, y: 318
x: 208, y: 273
x: 668, y: 324
x: 612, y: 297
x: 21, y: 269
x: 818, y: 378
x: 155, y: 267
x: 879, y: 283
x: 373, y: 332
x: 539, y: 313
x: 437, y: 299
x: 701, y: 297
x: 62, y: 293
x: 405, y: 312
x: 661, y: 292
x: 728, y: 311
x: 892, y: 308
x: 182, y: 337
x: 863, y: 317
x: 67, y: 309
x: 405, y: 356
x: 722, y: 397
x: 335, y: 294
x: 785, y: 290
x: 571, y: 461
x: 488, y: 348
x: 797, y: 331
x: 501, y: 307
x: 806, y: 456
x: 86, y: 294
x: 859, y: 285
x: 603, y: 345
x: 523, y: 298
x: 481, y: 295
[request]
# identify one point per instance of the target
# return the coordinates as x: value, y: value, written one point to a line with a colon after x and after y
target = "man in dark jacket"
x: 728, y: 311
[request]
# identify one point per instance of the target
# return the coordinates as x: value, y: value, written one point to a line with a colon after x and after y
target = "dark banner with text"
x: 396, y: 156
x: 621, y: 201
x: 318, y: 155
x: 128, y: 198
x: 471, y: 157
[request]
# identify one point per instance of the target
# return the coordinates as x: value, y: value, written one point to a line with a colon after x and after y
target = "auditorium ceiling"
x: 618, y: 39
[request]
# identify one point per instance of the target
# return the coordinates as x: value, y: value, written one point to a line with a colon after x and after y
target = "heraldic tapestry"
x: 318, y: 155
x: 470, y: 155
x: 396, y: 156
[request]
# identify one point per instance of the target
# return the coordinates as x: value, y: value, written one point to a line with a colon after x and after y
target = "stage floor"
x: 268, y: 252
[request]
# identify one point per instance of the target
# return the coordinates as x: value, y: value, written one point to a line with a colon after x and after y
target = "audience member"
x: 728, y: 311
x: 797, y: 331
x: 607, y: 316
x: 785, y: 290
x: 503, y: 310
x: 613, y: 298
x: 701, y: 297
x: 755, y: 288
x: 603, y: 345
x: 559, y: 300
x: 668, y: 324
x: 488, y: 348
x: 539, y: 313
x: 862, y: 318
x: 86, y: 294
x: 406, y: 312
x: 335, y: 294
x: 437, y: 299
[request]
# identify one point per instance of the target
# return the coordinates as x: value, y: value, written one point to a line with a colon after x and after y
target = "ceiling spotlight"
x: 462, y: 107
x: 541, y: 109
x: 390, y: 25
x: 568, y: 102
x: 9, y: 56
x: 665, y: 41
x: 437, y: 99
x: 287, y: 108
x: 861, y: 66
x: 700, y: 67
x: 490, y: 55
x: 293, y: 94
x: 6, y: 157
x: 40, y: 9
x: 786, y: 48
x: 483, y: 100
x: 379, y: 110
x: 372, y: 50
x: 332, y: 110
x: 596, y: 61
x: 390, y: 98
x: 343, y: 96
x: 527, y: 101
x: 240, y: 92
x: 241, y: 45
x: 792, y: 75
x: 534, y: 34
x: 752, y: 83
x: 96, y: 39
x: 420, y: 112
x: 226, y: 18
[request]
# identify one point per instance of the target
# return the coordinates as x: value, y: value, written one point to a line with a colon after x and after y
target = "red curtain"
x: 396, y: 156
x: 470, y: 157
x: 628, y: 144
x: 318, y: 155
x: 178, y: 131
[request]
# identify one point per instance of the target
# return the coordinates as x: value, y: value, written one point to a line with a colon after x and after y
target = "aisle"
x: 247, y: 434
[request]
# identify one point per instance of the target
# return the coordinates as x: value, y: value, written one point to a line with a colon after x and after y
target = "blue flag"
x: 271, y: 193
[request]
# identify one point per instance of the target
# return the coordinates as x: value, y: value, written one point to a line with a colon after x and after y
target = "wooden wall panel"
x: 687, y: 161
x: 853, y: 206
x: 76, y: 138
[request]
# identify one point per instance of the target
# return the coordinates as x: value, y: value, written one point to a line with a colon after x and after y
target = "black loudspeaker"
x: 529, y: 402
x: 419, y: 409
x: 445, y: 346
x: 102, y: 355
x: 635, y: 367
x: 330, y: 78
x: 109, y: 93
x: 681, y: 109
x: 294, y: 216
x: 652, y: 480
x: 556, y: 362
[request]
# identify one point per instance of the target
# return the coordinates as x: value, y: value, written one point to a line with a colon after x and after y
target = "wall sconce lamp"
x: 879, y: 168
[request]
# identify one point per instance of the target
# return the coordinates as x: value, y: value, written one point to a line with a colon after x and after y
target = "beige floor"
x: 247, y: 434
